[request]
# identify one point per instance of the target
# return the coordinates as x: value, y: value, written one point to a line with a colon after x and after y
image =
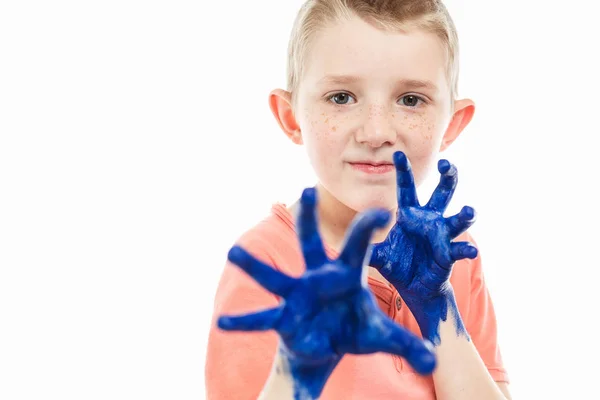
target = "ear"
x: 463, y: 114
x: 280, y: 102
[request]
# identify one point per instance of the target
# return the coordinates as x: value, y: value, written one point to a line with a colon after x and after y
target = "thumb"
x: 378, y: 255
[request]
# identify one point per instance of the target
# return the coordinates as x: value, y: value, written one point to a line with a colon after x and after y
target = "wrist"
x: 432, y: 310
x: 420, y: 301
x: 307, y: 374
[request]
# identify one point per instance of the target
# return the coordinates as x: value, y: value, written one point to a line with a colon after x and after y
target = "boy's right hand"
x: 327, y: 312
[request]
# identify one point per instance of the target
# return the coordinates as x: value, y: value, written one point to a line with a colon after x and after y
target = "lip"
x: 372, y: 167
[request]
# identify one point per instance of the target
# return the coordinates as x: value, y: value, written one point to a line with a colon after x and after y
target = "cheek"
x: 423, y: 132
x: 331, y: 121
x: 323, y: 139
x: 423, y: 136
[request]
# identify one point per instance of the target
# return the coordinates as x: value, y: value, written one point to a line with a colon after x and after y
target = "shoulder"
x: 273, y: 241
x: 467, y: 274
x: 466, y: 268
x: 237, y: 292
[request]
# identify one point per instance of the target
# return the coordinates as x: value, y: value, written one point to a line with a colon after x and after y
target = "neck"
x: 334, y: 218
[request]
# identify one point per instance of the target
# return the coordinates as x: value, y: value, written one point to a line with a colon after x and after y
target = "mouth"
x: 372, y: 167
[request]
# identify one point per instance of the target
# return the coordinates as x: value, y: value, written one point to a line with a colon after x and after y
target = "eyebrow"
x: 339, y: 79
x: 409, y: 83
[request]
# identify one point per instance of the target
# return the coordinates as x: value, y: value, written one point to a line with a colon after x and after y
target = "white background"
x: 136, y: 144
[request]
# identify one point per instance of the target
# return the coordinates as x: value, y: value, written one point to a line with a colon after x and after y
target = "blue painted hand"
x: 328, y: 311
x: 418, y: 254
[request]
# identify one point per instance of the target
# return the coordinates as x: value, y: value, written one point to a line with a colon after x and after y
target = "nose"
x: 377, y: 130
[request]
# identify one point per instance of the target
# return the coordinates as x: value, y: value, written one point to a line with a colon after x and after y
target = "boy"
x: 367, y: 80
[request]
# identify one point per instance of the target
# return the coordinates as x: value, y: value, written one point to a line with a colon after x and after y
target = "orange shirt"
x: 238, y: 363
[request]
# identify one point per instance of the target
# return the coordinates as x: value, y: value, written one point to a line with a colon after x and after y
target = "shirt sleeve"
x: 238, y: 363
x: 481, y: 323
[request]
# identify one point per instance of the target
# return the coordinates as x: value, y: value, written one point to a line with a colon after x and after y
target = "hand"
x: 417, y: 255
x: 327, y: 312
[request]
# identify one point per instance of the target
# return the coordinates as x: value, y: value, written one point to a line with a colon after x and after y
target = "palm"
x: 418, y: 253
x: 328, y: 312
x: 327, y: 329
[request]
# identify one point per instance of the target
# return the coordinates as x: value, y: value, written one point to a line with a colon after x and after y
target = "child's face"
x: 365, y: 94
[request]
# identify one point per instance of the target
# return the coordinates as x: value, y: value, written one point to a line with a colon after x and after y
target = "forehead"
x: 354, y: 47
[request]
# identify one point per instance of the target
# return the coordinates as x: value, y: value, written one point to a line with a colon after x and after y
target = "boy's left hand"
x: 418, y: 254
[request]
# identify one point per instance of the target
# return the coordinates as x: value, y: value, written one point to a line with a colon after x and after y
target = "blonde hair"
x: 395, y: 15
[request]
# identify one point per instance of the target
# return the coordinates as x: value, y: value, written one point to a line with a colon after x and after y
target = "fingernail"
x: 443, y: 166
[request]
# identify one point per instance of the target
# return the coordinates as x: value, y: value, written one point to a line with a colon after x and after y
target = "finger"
x: 354, y: 250
x: 407, y: 193
x: 268, y: 277
x: 460, y: 222
x: 439, y: 241
x: 378, y: 256
x: 310, y: 240
x: 394, y: 339
x: 460, y: 250
x: 445, y: 189
x: 259, y: 321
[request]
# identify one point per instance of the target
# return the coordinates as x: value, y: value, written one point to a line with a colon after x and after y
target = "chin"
x: 374, y: 199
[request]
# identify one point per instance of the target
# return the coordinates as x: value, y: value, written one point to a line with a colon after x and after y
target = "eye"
x: 411, y: 100
x: 340, y: 98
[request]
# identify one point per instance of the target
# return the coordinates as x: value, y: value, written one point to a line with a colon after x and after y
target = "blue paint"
x: 418, y: 254
x: 327, y: 312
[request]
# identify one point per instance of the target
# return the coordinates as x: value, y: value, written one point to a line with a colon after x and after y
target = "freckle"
x: 334, y: 128
x: 327, y: 120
